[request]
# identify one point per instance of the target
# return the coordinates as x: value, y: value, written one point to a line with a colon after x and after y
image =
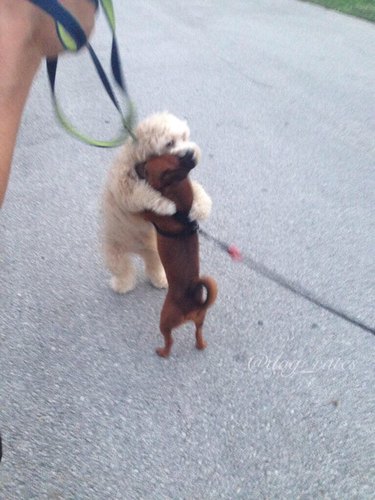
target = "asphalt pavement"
x: 279, y: 94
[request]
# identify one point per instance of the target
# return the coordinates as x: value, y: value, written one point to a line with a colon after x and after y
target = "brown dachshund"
x: 189, y: 295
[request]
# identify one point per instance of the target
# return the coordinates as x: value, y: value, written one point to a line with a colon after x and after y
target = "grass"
x: 359, y: 8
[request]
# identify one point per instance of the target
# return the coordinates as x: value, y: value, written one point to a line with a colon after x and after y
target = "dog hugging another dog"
x: 27, y: 35
x: 151, y: 208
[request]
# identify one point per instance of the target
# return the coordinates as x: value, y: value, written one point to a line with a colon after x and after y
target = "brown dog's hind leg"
x: 168, y: 341
x: 200, y: 343
x: 170, y: 318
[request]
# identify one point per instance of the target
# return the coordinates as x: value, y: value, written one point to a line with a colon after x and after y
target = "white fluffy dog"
x: 126, y: 195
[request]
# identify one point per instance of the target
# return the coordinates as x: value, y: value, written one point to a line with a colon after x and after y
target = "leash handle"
x: 69, y: 30
x: 73, y: 38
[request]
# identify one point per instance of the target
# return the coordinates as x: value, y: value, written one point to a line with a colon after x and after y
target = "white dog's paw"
x: 144, y: 197
x: 163, y: 206
x: 202, y: 203
x: 123, y: 284
x: 158, y: 279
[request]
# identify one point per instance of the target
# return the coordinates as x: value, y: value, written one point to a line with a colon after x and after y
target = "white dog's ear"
x: 140, y: 168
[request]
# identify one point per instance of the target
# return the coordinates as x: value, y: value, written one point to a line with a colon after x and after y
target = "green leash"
x: 73, y: 39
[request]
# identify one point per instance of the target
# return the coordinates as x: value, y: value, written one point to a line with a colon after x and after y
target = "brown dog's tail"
x: 204, y: 283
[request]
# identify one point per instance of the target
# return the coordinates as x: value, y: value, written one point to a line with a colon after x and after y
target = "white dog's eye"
x: 170, y: 144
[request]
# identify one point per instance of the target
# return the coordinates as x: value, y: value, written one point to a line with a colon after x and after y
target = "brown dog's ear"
x: 140, y: 168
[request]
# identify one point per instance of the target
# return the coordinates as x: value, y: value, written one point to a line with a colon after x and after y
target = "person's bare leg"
x: 26, y: 36
x: 19, y: 61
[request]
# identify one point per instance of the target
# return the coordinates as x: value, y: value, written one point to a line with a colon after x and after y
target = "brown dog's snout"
x: 188, y: 161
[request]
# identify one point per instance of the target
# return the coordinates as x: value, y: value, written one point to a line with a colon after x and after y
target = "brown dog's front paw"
x: 201, y: 345
x: 162, y: 352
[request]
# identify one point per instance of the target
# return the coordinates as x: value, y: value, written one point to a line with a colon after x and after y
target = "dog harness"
x: 190, y: 227
x: 73, y: 38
